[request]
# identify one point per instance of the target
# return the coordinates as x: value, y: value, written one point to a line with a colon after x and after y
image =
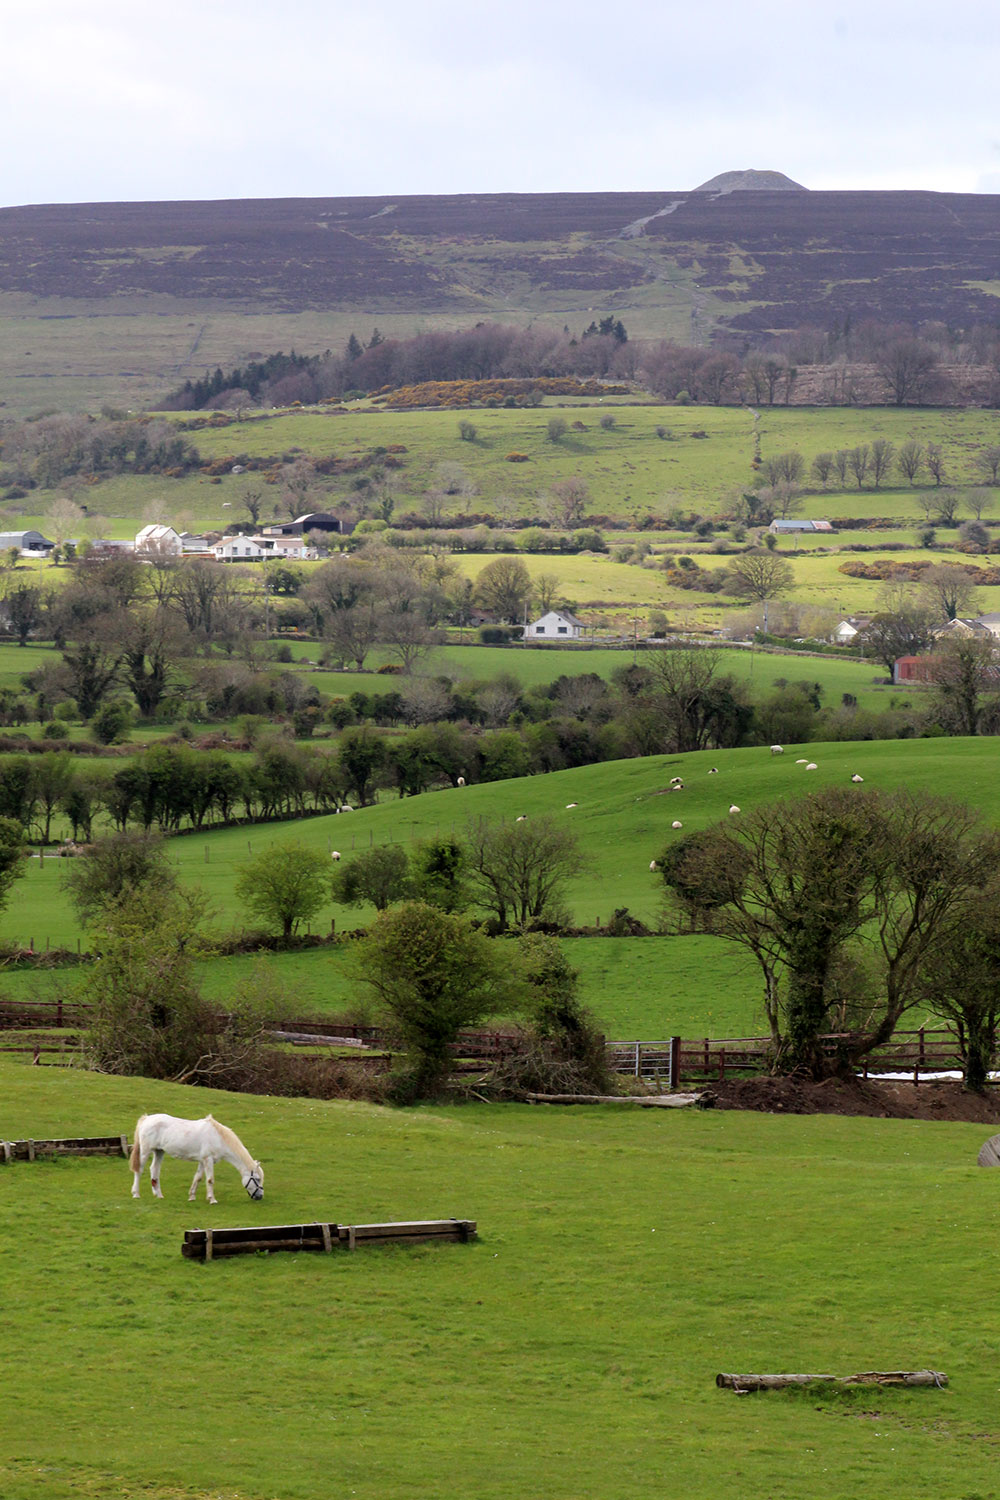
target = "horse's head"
x: 253, y: 1180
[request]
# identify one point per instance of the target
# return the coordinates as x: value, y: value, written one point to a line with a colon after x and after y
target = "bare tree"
x: 987, y: 461
x: 906, y: 369
x: 910, y: 459
x: 859, y: 462
x: 821, y: 468
x: 547, y: 590
x: 948, y: 591
x: 979, y: 502
x: 571, y: 497
x: 883, y: 453
x: 761, y: 575
x: 965, y: 667
x: 934, y: 459
x: 519, y: 870
x: 504, y: 587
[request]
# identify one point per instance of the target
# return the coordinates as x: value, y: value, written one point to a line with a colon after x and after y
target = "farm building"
x: 557, y: 624
x: 786, y: 527
x: 28, y: 543
x: 317, y: 520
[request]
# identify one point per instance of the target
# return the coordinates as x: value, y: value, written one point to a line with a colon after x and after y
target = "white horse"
x: 204, y: 1141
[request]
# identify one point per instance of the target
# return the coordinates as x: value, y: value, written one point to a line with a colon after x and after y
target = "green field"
x: 623, y: 1259
x: 646, y: 987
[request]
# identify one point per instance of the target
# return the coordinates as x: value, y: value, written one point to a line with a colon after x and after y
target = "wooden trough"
x: 211, y: 1244
x: 82, y: 1145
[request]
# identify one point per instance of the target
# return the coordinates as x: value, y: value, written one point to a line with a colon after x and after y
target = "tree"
x: 360, y: 757
x: 572, y: 497
x: 841, y: 898
x: 25, y: 608
x: 784, y: 468
x: 910, y: 459
x: 859, y: 462
x: 504, y: 587
x: 148, y: 1016
x: 556, y: 429
x: 934, y: 459
x: 687, y: 705
x: 761, y: 575
x: 948, y: 591
x: 964, y: 667
x: 12, y: 865
x: 113, y: 869
x: 821, y: 468
x: 882, y: 454
x: 906, y: 368
x: 962, y: 981
x: 284, y: 886
x: 252, y: 501
x: 519, y: 870
x: 903, y: 631
x: 433, y: 974
x: 380, y: 875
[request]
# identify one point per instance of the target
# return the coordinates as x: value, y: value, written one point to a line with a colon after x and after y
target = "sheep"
x: 520, y: 817
x: 812, y: 766
x: 346, y: 808
x: 734, y: 808
x: 460, y: 781
x: 334, y: 853
x: 856, y: 777
x: 652, y: 864
x: 569, y: 805
x: 714, y: 771
x: 675, y: 824
x: 777, y: 749
x: 801, y: 761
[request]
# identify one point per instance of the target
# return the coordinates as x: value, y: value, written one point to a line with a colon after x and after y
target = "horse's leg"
x: 209, y: 1165
x: 136, y: 1175
x: 156, y: 1161
x: 197, y: 1179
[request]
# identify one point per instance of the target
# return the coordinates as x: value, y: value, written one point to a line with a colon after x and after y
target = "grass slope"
x: 643, y: 987
x: 624, y: 1258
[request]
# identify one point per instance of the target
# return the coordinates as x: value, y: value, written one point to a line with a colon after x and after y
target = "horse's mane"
x: 233, y: 1141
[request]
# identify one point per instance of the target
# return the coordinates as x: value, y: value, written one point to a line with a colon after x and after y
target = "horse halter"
x: 254, y: 1184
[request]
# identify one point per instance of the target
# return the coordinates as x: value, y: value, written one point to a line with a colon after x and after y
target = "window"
x: 562, y: 630
x: 539, y: 629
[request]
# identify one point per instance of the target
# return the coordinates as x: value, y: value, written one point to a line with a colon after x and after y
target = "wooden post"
x: 208, y: 1244
x: 674, y: 1065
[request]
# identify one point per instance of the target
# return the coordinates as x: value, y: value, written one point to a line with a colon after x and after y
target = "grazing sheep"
x: 812, y: 766
x: 801, y: 761
x: 675, y: 824
x: 777, y: 749
x: 714, y: 771
x: 856, y: 777
x: 652, y: 864
x: 346, y: 808
x: 734, y: 808
x: 570, y: 804
x: 460, y: 781
x: 520, y: 817
x: 334, y: 853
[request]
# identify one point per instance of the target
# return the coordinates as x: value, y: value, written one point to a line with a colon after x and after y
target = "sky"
x: 107, y: 101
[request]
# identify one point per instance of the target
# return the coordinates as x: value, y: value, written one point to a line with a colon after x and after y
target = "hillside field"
x: 623, y: 1259
x: 644, y: 987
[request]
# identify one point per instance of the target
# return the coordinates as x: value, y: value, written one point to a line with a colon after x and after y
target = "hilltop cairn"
x: 750, y: 181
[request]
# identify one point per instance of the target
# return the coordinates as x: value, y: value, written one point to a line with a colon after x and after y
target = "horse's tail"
x: 135, y: 1156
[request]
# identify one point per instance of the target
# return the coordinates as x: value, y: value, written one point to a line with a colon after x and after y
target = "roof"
x: 24, y: 539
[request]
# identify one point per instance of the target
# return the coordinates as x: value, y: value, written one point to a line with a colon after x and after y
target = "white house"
x: 162, y: 540
x: 557, y: 624
x: 283, y: 546
x: 239, y: 549
x: 848, y: 630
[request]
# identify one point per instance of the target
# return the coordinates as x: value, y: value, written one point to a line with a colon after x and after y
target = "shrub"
x: 56, y: 730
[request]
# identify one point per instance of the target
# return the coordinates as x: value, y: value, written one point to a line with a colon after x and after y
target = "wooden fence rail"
x: 678, y: 1060
x: 210, y: 1244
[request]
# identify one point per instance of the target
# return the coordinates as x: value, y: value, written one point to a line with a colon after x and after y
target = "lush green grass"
x: 624, y: 812
x: 624, y: 1258
x: 645, y: 988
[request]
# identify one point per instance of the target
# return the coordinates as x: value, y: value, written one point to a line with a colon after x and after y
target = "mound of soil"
x: 945, y: 1100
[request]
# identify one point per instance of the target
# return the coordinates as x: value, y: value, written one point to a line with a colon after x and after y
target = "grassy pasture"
x: 623, y: 818
x: 623, y: 1259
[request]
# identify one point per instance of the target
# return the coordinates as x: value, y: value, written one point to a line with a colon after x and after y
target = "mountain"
x: 121, y: 300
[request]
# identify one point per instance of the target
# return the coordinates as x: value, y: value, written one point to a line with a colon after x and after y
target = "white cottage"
x: 160, y: 541
x: 239, y: 549
x: 556, y: 625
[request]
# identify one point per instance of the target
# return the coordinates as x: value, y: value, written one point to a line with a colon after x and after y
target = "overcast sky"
x: 120, y: 100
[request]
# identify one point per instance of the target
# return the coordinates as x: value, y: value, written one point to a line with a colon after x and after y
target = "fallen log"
x: 744, y: 1383
x: 651, y: 1101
